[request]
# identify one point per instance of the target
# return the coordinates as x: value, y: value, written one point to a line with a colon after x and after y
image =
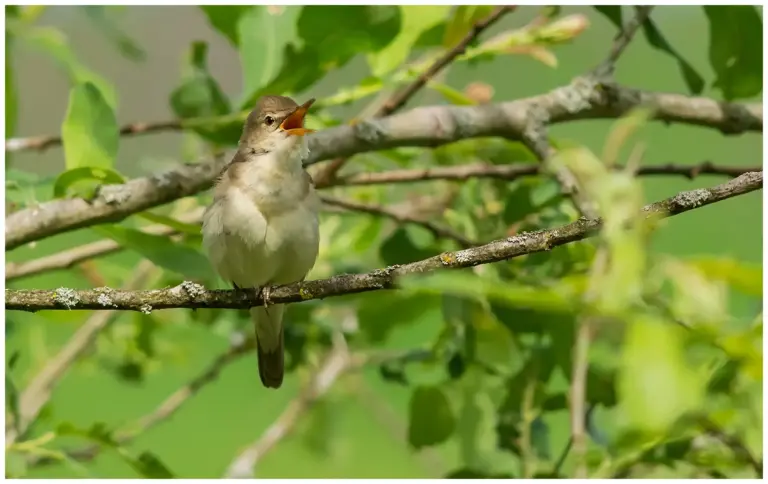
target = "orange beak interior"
x: 293, y: 125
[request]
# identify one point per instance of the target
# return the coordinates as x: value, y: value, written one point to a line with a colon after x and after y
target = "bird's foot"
x: 264, y: 292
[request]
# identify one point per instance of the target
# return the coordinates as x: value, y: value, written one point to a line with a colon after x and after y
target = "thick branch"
x: 585, y: 98
x: 190, y: 295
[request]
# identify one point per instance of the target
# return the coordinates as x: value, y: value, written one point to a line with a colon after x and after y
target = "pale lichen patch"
x: 66, y: 297
x: 192, y: 288
x: 691, y: 199
x: 145, y: 308
x: 105, y: 300
x: 115, y: 194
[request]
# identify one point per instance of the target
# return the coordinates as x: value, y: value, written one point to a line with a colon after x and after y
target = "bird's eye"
x: 269, y: 120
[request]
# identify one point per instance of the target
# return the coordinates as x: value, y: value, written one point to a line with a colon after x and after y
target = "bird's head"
x: 276, y: 124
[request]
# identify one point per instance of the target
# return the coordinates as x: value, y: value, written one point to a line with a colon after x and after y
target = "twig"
x: 169, y: 406
x: 38, y: 392
x: 622, y: 40
x: 518, y: 170
x: 337, y: 363
x: 437, y: 230
x: 190, y: 295
x: 426, y: 126
x: 44, y: 142
x: 399, y: 98
x: 71, y: 257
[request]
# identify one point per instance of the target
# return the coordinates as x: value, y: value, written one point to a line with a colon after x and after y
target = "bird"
x: 262, y: 227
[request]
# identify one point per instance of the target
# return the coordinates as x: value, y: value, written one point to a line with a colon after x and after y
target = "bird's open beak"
x: 293, y: 125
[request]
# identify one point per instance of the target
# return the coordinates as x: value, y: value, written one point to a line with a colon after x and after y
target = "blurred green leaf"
x: 262, y: 37
x: 146, y: 464
x: 90, y: 133
x: 199, y: 94
x: 225, y: 18
x: 697, y: 299
x: 612, y: 13
x: 71, y: 177
x: 399, y: 248
x: 736, y: 49
x: 53, y: 42
x: 745, y: 277
x: 161, y: 250
x: 416, y: 19
x: 461, y: 22
x: 653, y: 35
x: 127, y: 46
x: 430, y: 418
x: 376, y: 318
x: 656, y: 385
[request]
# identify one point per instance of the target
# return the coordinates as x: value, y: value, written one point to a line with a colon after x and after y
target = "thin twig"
x: 623, y: 40
x: 190, y: 295
x: 401, y: 97
x: 515, y: 171
x: 437, y: 230
x: 39, y: 390
x: 337, y: 363
x: 426, y: 126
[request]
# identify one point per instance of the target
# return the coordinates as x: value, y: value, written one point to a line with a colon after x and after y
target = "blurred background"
x: 360, y: 428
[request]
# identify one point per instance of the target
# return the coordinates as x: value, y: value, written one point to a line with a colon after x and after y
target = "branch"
x: 71, y: 257
x: 432, y: 126
x: 191, y: 295
x: 401, y: 97
x: 337, y: 363
x: 436, y: 230
x: 622, y: 40
x: 38, y: 392
x: 518, y: 170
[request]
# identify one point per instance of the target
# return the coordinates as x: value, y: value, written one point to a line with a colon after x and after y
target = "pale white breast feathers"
x: 262, y: 227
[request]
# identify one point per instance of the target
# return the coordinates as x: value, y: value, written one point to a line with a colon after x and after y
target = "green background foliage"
x: 490, y: 398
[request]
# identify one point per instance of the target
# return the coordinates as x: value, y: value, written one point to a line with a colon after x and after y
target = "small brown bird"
x: 262, y: 228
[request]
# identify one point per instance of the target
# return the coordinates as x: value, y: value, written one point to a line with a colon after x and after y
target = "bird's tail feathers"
x: 268, y: 323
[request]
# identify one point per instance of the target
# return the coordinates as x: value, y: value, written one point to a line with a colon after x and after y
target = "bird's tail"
x: 269, y: 343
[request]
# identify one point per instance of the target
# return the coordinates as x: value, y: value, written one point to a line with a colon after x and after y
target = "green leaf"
x: 450, y: 94
x: 656, y: 385
x: 184, y: 227
x: 224, y: 18
x: 417, y: 19
x: 462, y: 20
x: 262, y: 37
x: 71, y: 177
x: 199, y: 94
x: 90, y: 132
x: 375, y: 317
x: 54, y: 43
x: 149, y: 466
x: 693, y: 79
x: 430, y: 417
x: 160, y: 250
x: 127, y: 46
x: 326, y: 47
x: 612, y: 13
x: 736, y: 49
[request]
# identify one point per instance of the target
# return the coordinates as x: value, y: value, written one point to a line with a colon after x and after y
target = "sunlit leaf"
x: 450, y: 94
x: 656, y: 385
x: 90, y: 132
x: 225, y: 18
x: 430, y: 417
x: 417, y: 19
x: 462, y: 20
x: 736, y: 49
x: 71, y: 177
x: 184, y: 227
x: 745, y: 277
